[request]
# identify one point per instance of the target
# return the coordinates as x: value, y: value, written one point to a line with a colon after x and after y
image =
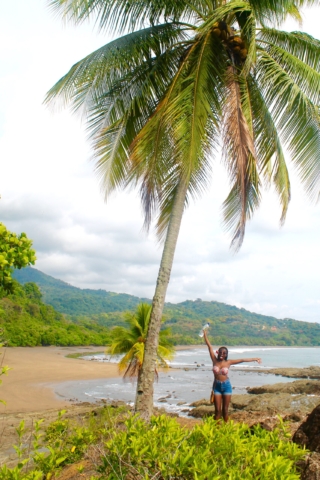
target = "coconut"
x: 237, y: 40
x: 217, y: 32
x: 243, y: 53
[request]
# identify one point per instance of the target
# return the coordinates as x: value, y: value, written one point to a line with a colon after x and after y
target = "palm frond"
x: 129, y: 14
x: 185, y: 118
x: 100, y: 72
x: 275, y: 12
x: 305, y: 77
x: 131, y: 362
x: 296, y: 118
x: 240, y: 159
x: 303, y: 46
x: 268, y: 147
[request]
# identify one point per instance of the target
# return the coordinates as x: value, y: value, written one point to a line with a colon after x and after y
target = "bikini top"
x: 220, y: 371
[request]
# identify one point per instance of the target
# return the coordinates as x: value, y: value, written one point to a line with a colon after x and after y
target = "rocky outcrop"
x: 308, y: 435
x: 309, y: 372
x: 200, y: 403
x: 310, y: 467
x: 267, y: 404
x: 308, y: 387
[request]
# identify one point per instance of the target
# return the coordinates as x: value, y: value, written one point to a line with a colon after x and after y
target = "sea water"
x: 190, y: 377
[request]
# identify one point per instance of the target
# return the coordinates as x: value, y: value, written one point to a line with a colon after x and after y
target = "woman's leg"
x: 225, y: 406
x: 217, y: 406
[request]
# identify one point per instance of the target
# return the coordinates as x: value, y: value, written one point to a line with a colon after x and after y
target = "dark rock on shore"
x: 266, y: 403
x: 308, y: 372
x: 308, y: 387
x: 200, y: 403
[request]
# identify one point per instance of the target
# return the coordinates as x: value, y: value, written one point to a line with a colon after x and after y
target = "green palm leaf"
x: 296, y: 117
x: 130, y: 341
x: 270, y: 155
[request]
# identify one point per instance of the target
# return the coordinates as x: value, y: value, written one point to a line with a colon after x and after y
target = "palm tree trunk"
x: 144, y: 396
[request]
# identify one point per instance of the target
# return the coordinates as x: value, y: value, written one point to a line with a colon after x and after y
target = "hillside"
x: 229, y: 324
x: 26, y: 321
x: 76, y: 301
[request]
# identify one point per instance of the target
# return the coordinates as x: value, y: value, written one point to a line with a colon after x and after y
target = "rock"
x: 275, y: 403
x: 309, y: 387
x: 308, y: 372
x: 293, y: 417
x: 309, y: 468
x: 308, y: 434
x: 202, y: 411
x: 162, y: 400
x: 181, y: 403
x: 199, y: 403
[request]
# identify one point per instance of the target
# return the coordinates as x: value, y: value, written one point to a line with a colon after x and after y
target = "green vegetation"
x: 75, y: 301
x: 130, y: 341
x: 111, y: 444
x: 15, y: 252
x: 229, y: 324
x: 26, y: 321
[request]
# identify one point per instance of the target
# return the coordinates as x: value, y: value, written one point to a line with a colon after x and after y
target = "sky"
x: 50, y: 191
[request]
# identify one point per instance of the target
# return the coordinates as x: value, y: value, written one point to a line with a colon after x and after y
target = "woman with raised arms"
x: 221, y: 386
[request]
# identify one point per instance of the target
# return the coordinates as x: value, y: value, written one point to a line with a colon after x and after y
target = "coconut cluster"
x: 233, y: 41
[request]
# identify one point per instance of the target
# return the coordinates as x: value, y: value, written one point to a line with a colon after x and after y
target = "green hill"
x: 26, y: 321
x: 229, y: 325
x: 76, y: 301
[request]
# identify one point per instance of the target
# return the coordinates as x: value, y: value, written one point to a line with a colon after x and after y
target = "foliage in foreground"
x: 118, y: 445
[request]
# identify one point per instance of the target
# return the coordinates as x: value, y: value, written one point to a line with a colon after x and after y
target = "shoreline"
x: 34, y: 372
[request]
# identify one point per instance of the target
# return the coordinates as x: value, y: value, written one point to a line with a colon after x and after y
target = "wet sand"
x: 34, y: 371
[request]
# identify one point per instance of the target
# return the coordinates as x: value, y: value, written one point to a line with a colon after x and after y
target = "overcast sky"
x: 49, y: 190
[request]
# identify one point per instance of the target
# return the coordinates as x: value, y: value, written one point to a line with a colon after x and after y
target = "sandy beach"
x: 28, y: 386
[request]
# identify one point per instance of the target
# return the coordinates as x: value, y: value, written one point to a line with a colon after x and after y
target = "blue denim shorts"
x: 222, y: 388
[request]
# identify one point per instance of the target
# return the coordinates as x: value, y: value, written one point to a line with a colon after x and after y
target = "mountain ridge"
x: 229, y: 324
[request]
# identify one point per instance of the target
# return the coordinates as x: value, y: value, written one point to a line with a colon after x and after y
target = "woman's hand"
x: 258, y: 360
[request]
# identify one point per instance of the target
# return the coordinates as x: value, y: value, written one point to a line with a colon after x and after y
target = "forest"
x: 73, y: 316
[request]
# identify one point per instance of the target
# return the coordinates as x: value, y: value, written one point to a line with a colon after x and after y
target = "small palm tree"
x: 130, y: 341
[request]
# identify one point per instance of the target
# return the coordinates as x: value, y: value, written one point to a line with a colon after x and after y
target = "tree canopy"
x: 15, y: 252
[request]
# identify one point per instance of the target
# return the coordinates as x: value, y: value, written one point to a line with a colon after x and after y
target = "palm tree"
x: 187, y: 78
x: 130, y: 341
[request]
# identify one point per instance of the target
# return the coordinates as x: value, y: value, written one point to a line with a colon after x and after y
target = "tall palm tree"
x: 130, y: 341
x: 188, y: 77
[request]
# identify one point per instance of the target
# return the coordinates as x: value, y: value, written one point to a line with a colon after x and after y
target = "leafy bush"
x: 164, y: 450
x: 127, y: 448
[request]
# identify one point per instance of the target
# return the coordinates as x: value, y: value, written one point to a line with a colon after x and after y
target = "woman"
x: 221, y: 386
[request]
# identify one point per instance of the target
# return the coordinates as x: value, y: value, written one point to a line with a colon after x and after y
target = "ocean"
x: 190, y: 376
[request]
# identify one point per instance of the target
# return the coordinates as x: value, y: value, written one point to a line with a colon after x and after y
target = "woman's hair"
x: 223, y: 348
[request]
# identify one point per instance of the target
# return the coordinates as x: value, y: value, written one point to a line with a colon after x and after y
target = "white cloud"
x: 49, y: 190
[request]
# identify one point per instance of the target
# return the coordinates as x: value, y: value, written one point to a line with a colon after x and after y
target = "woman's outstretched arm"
x: 211, y: 352
x: 242, y: 360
